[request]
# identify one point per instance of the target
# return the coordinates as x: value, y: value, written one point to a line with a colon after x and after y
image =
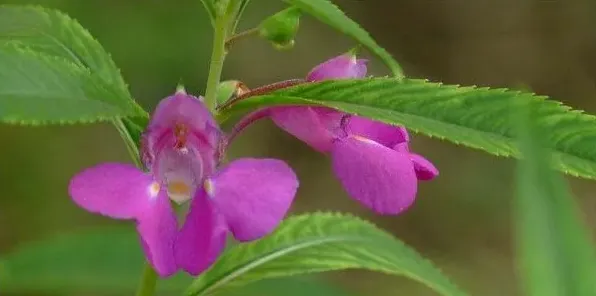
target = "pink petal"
x: 182, y: 108
x: 425, y: 170
x: 157, y: 227
x: 385, y: 134
x: 253, y: 195
x: 343, y: 66
x: 305, y: 124
x: 202, y: 237
x: 185, y: 114
x: 380, y: 178
x: 116, y: 190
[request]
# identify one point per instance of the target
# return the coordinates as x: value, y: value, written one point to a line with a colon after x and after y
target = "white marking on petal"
x: 209, y: 187
x: 366, y: 140
x: 153, y: 189
x: 353, y: 59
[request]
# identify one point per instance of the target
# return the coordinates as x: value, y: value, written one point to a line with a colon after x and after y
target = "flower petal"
x: 380, y: 178
x: 382, y: 133
x: 157, y: 227
x: 179, y: 121
x: 305, y: 124
x: 182, y: 108
x: 253, y: 195
x: 202, y: 237
x: 116, y: 190
x: 425, y: 170
x: 343, y: 66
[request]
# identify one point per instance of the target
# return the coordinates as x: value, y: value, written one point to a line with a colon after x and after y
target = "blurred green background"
x: 461, y: 220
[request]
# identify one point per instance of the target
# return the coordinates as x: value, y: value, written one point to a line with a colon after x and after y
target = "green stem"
x: 217, y: 60
x: 236, y: 37
x: 131, y: 147
x: 211, y: 11
x: 148, y: 282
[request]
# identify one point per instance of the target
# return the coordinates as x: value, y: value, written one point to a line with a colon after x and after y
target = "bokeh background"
x: 461, y: 220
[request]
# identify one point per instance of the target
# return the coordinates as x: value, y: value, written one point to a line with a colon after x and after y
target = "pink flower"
x: 180, y: 148
x: 371, y: 159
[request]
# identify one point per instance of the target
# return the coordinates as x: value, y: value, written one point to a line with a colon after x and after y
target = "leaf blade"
x: 474, y: 117
x: 316, y: 243
x: 54, y: 33
x: 329, y: 13
x: 555, y: 252
x: 37, y: 89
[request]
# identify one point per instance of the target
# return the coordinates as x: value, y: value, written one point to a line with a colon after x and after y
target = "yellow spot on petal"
x: 179, y: 191
x: 209, y: 187
x: 178, y: 187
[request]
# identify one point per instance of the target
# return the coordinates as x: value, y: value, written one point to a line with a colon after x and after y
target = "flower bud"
x: 230, y: 89
x: 281, y: 28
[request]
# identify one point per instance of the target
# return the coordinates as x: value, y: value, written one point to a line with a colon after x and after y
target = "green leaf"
x: 54, y: 33
x: 37, y: 89
x: 475, y: 117
x: 316, y: 243
x: 328, y: 13
x: 281, y: 28
x: 289, y: 286
x: 555, y: 251
x: 106, y: 260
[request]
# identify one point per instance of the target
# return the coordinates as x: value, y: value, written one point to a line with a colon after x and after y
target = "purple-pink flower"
x: 180, y: 148
x: 371, y: 159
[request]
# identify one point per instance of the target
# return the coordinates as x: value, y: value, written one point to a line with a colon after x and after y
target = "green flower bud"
x: 281, y: 28
x: 230, y: 89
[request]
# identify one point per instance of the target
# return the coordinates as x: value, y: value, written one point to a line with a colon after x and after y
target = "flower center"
x: 180, y: 133
x: 180, y: 170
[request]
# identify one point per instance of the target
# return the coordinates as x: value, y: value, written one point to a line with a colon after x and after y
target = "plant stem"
x: 217, y: 59
x: 230, y: 41
x: 131, y: 147
x: 148, y: 282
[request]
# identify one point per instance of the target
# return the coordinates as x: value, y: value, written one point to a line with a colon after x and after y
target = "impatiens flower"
x: 371, y: 159
x: 181, y: 148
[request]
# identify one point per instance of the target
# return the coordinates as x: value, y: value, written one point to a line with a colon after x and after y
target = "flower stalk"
x: 217, y: 59
x: 236, y: 37
x: 148, y: 282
